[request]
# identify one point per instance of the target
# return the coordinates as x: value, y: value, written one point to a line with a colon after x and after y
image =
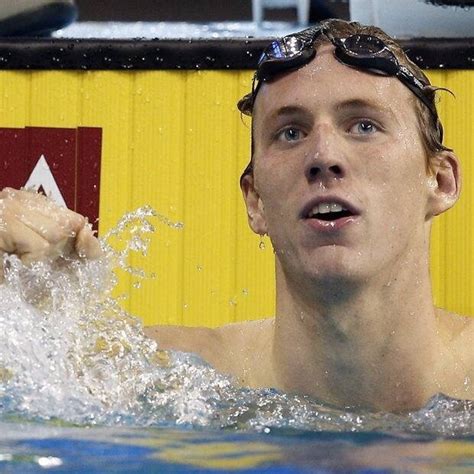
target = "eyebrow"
x: 348, y: 105
x: 289, y: 110
x: 357, y: 104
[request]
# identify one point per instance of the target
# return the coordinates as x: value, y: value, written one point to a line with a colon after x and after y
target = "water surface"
x: 82, y: 387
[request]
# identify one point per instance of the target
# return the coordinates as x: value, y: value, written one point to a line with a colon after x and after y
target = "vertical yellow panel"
x: 255, y: 278
x: 189, y: 147
x: 459, y: 261
x: 106, y: 102
x: 452, y: 249
x: 176, y: 141
x: 157, y: 180
x: 210, y: 192
x: 14, y: 98
x: 54, y: 100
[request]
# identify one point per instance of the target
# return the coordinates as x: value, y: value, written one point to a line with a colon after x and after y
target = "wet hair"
x: 430, y: 127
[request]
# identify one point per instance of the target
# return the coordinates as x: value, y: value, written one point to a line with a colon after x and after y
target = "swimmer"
x: 347, y: 172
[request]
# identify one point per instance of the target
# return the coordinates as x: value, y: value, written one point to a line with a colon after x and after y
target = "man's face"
x: 331, y: 137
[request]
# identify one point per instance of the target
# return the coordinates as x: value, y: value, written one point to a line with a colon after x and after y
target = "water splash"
x: 69, y: 353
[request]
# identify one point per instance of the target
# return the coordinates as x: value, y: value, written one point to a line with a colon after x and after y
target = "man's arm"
x: 204, y: 342
x: 35, y: 228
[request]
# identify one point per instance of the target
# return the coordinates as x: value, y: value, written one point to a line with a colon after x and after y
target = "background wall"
x: 184, y: 10
x: 174, y: 140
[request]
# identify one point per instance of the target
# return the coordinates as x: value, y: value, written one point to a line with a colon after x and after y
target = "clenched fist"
x: 35, y: 228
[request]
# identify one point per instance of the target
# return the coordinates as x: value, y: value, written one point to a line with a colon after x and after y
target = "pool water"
x: 40, y: 447
x: 83, y: 390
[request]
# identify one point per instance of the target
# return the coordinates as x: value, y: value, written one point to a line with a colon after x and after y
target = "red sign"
x: 63, y: 163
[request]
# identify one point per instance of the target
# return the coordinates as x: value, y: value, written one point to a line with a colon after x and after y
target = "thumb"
x: 87, y: 245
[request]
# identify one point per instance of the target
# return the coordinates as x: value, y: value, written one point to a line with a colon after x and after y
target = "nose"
x: 324, y: 160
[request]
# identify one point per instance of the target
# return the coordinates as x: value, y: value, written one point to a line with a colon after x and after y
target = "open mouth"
x: 329, y: 212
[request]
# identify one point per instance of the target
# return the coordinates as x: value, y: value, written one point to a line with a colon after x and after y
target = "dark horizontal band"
x: 89, y: 54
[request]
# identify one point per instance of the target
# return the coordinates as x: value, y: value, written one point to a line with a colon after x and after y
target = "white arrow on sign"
x: 41, y: 178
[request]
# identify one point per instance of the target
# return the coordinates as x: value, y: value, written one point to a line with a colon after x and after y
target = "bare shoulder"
x: 458, y: 330
x: 238, y: 349
x: 248, y: 351
x: 465, y: 341
x: 204, y: 342
x: 246, y: 334
x: 196, y: 339
x: 455, y: 325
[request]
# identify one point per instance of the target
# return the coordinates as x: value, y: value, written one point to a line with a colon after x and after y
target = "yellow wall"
x: 174, y: 140
x: 453, y: 233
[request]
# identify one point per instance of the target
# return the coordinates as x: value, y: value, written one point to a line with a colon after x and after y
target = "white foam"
x: 69, y: 352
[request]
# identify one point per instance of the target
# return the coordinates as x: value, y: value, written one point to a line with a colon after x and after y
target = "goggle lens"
x: 285, y: 48
x: 358, y: 50
x: 363, y: 45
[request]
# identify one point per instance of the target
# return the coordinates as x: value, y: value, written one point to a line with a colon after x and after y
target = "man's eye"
x: 290, y: 134
x: 363, y: 127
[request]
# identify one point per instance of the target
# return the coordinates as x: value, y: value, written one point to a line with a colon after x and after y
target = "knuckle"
x: 8, y: 191
x: 36, y: 250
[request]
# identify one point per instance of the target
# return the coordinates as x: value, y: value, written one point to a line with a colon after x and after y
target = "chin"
x: 329, y: 263
x: 334, y: 279
x: 334, y: 260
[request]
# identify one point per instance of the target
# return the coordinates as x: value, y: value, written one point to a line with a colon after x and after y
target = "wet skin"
x: 35, y: 228
x: 355, y: 323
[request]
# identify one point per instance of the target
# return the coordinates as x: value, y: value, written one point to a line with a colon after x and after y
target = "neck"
x: 370, y: 344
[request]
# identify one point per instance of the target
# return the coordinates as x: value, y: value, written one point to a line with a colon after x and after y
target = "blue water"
x: 83, y: 390
x: 39, y: 447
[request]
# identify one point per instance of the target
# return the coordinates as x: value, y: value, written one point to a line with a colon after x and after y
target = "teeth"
x: 326, y: 207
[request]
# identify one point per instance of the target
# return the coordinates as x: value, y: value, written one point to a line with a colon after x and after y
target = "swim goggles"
x: 361, y: 51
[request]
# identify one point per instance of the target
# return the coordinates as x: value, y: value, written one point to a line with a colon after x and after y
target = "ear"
x: 255, y: 208
x: 445, y: 183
